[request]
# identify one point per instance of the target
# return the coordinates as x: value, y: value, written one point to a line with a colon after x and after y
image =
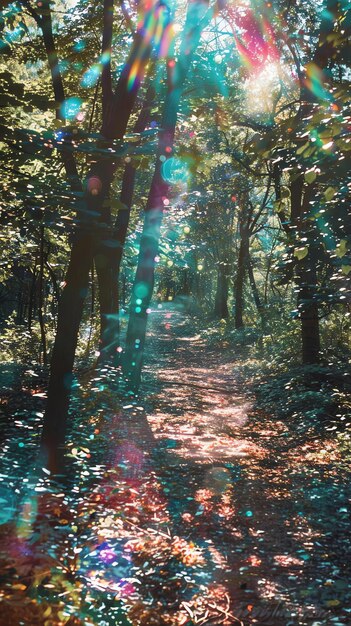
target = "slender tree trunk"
x: 19, y: 316
x: 91, y: 218
x: 92, y: 309
x: 221, y: 310
x: 32, y: 297
x: 70, y: 312
x: 45, y: 23
x: 185, y: 288
x: 305, y: 272
x: 255, y: 292
x: 141, y: 297
x: 108, y: 258
x: 240, y: 278
x: 308, y: 307
x: 41, y: 297
x: 159, y: 191
x: 56, y: 290
x: 239, y: 287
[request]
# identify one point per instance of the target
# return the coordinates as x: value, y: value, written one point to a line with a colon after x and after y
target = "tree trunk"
x: 240, y: 279
x: 108, y: 258
x: 92, y: 310
x: 159, y: 191
x: 45, y: 23
x: 41, y: 297
x: 255, y: 292
x: 221, y: 300
x: 91, y: 226
x: 238, y: 289
x: 305, y: 271
x: 306, y: 277
x: 185, y: 287
x: 70, y: 311
x: 32, y: 293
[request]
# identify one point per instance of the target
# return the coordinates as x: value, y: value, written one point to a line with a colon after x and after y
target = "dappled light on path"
x: 198, y: 408
x: 231, y: 481
x: 188, y: 506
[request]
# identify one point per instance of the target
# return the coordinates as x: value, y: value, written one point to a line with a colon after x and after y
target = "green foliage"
x: 19, y: 345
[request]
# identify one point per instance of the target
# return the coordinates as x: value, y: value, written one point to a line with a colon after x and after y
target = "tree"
x: 197, y: 16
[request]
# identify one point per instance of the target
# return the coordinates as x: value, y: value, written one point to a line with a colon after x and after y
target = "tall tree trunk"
x: 305, y: 271
x: 159, y: 191
x: 108, y: 257
x: 56, y: 290
x: 41, y: 297
x: 91, y: 218
x: 239, y: 288
x: 32, y: 294
x: 70, y: 312
x: 45, y: 23
x: 308, y: 308
x: 221, y: 310
x: 92, y: 310
x: 255, y: 292
x: 240, y: 276
x: 185, y: 286
x: 19, y: 316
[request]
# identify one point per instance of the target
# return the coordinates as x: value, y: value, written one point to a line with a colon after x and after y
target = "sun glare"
x: 262, y: 87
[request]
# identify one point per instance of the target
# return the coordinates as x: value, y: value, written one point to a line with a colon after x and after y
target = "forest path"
x: 199, y: 405
x: 275, y: 519
x: 185, y: 502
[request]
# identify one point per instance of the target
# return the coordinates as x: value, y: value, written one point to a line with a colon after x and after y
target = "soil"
x: 190, y: 507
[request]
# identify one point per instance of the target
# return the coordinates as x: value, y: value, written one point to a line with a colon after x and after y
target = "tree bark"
x: 108, y: 258
x: 221, y: 310
x: 32, y: 294
x: 159, y: 191
x: 92, y: 218
x: 308, y: 308
x: 45, y: 23
x: 305, y: 269
x: 41, y: 297
x: 70, y: 311
x: 239, y: 287
x: 241, y: 268
x: 255, y: 292
x: 305, y: 272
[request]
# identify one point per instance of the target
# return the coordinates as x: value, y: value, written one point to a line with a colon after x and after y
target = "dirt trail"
x: 276, y: 522
x: 187, y: 506
x: 200, y: 404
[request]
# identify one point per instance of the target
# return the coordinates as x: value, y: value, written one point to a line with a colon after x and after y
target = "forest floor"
x: 190, y: 506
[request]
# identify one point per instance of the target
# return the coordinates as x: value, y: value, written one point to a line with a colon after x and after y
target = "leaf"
x: 346, y: 269
x: 329, y: 193
x: 302, y: 148
x: 285, y: 192
x: 331, y: 603
x: 278, y: 205
x: 301, y: 253
x: 117, y: 204
x: 310, y: 176
x: 341, y: 248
